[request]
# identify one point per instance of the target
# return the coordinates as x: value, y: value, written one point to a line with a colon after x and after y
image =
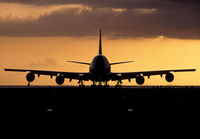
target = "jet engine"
x: 30, y: 77
x: 140, y: 80
x: 169, y: 77
x: 60, y: 79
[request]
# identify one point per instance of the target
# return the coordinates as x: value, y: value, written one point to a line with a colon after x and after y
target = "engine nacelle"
x: 169, y: 77
x: 60, y: 79
x: 30, y: 77
x: 140, y: 80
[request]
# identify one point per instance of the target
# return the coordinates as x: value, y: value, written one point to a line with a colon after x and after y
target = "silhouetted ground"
x: 85, y: 101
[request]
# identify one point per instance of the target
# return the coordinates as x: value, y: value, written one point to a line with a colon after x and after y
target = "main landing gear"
x: 93, y: 85
x: 100, y: 85
x: 28, y: 84
x: 106, y: 85
x: 81, y: 85
x: 118, y: 85
x: 96, y: 84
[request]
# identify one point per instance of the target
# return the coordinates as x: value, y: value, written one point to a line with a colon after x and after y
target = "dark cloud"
x: 172, y: 18
x: 109, y: 3
x: 100, y: 3
x: 186, y: 1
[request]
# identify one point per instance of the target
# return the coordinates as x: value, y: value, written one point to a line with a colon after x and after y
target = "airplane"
x: 99, y: 73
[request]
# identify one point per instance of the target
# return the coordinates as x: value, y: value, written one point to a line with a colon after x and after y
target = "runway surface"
x: 151, y: 100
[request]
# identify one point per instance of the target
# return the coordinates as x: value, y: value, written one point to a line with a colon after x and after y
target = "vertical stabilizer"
x: 100, y: 48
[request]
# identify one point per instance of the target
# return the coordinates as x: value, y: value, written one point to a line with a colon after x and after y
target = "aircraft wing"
x: 70, y: 75
x: 129, y: 75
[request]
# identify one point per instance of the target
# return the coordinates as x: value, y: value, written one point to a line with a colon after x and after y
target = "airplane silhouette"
x: 99, y: 72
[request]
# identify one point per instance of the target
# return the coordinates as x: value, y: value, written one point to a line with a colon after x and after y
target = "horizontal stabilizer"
x: 121, y: 62
x: 79, y: 62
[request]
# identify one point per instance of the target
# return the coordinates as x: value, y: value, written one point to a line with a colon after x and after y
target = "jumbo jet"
x: 99, y: 73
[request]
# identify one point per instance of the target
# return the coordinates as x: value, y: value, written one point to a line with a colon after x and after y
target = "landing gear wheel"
x: 81, y: 86
x: 99, y: 86
x: 117, y: 86
x: 106, y: 86
x: 93, y: 86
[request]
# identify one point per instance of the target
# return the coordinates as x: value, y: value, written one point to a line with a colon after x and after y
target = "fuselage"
x: 100, y: 68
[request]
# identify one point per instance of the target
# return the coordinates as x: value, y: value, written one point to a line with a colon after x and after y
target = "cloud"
x: 47, y: 62
x: 21, y: 12
x: 117, y: 18
x: 118, y: 10
x: 145, y: 11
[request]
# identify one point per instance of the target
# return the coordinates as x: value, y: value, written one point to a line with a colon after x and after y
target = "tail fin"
x: 100, y: 47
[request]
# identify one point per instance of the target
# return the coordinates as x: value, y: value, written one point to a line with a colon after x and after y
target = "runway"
x: 151, y: 100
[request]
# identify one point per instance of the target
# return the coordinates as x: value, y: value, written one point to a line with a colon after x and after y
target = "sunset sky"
x: 156, y: 34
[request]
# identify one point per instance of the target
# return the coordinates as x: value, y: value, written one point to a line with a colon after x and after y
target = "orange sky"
x: 68, y: 30
x: 50, y: 53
